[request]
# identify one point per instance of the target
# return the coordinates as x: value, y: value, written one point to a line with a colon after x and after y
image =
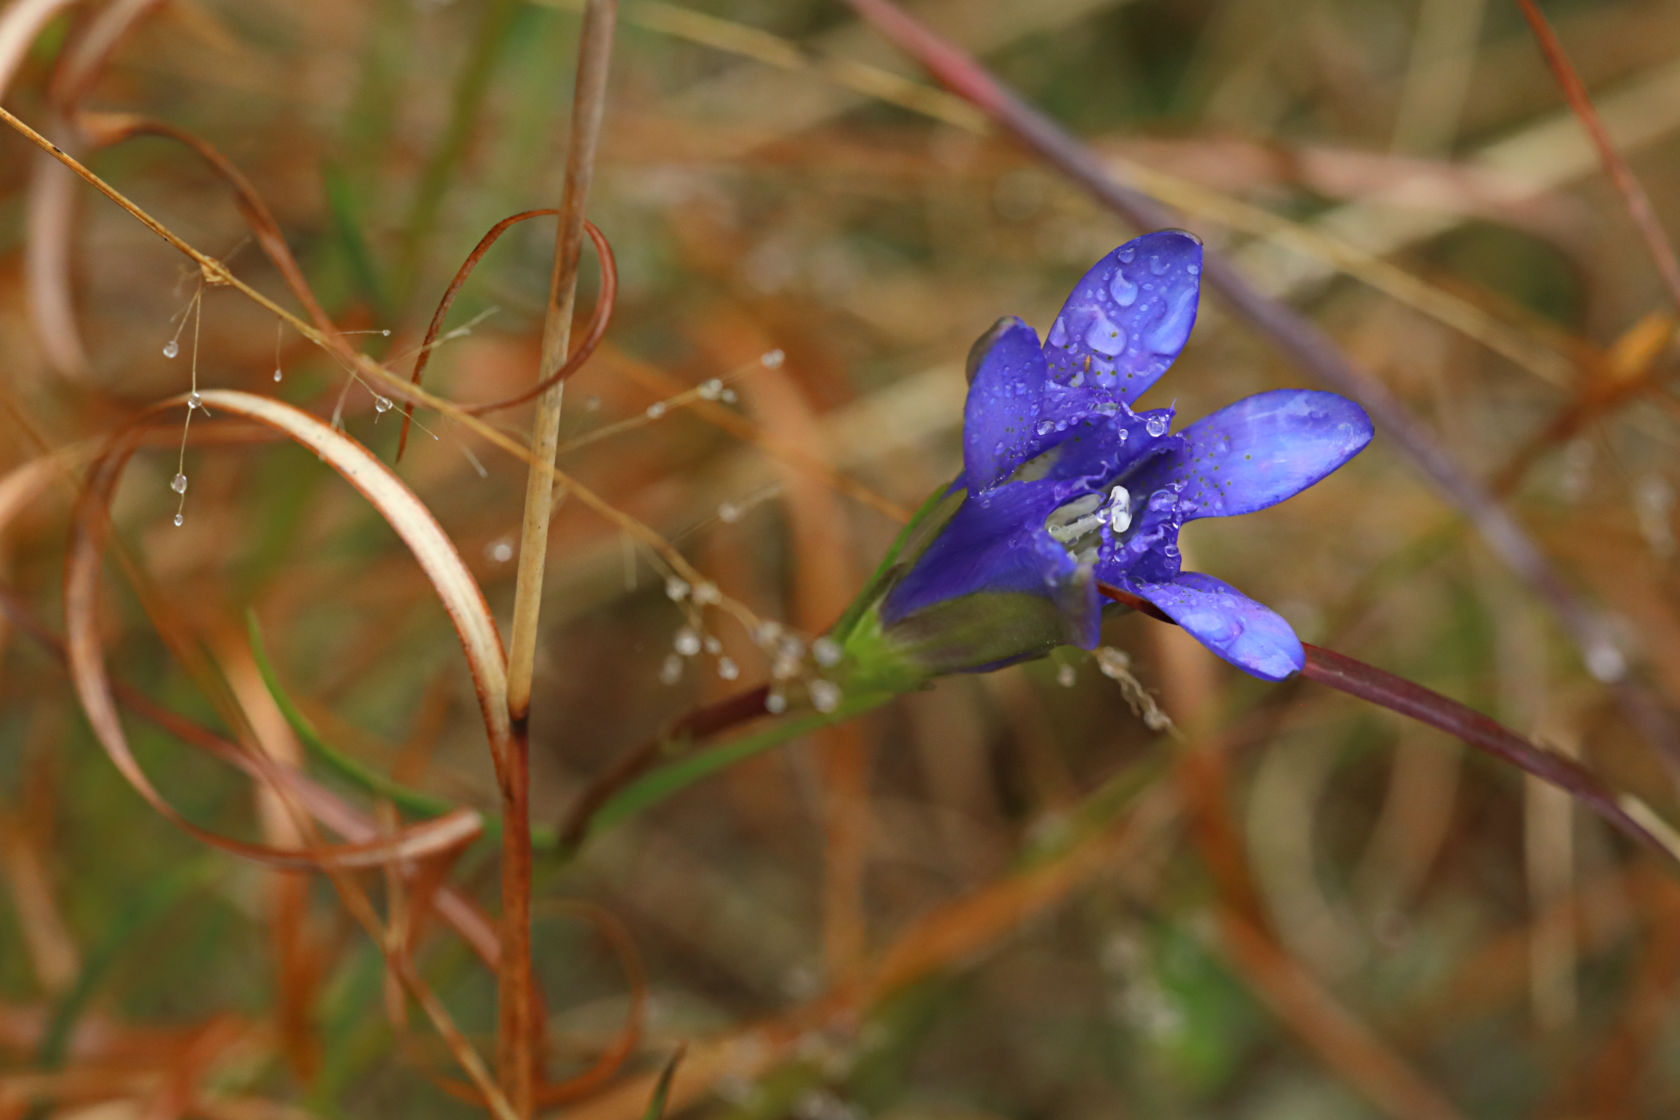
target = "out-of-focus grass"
x: 986, y: 901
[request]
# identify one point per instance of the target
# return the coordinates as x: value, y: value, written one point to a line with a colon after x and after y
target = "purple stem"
x: 1397, y: 694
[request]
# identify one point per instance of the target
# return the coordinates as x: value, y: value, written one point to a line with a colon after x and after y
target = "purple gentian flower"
x: 1064, y: 484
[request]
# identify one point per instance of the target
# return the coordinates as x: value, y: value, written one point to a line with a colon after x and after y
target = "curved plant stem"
x: 697, y: 724
x: 1633, y: 194
x: 1386, y: 690
x: 598, y: 322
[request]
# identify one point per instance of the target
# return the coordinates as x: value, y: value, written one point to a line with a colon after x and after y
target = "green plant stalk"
x: 365, y: 778
x: 652, y: 788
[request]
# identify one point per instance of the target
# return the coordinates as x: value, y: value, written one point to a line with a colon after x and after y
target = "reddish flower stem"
x: 1413, y: 700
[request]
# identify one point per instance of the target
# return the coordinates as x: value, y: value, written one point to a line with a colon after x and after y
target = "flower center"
x: 1075, y: 525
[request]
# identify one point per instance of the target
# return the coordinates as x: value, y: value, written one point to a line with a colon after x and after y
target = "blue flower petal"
x: 1261, y: 450
x: 1001, y: 418
x: 1249, y: 635
x: 996, y: 541
x: 1127, y: 318
x: 1104, y: 445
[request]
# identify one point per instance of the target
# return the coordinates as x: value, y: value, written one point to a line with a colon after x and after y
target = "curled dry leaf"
x: 599, y: 319
x: 413, y: 522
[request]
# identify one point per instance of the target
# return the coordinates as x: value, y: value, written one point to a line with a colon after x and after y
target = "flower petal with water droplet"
x: 1261, y: 450
x: 1250, y: 635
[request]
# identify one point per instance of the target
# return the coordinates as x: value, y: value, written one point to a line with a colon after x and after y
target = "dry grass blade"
x: 106, y: 129
x: 321, y: 803
x: 1627, y: 185
x: 598, y: 321
x: 412, y: 521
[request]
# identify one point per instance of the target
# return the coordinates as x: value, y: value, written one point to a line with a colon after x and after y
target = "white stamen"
x: 1119, y: 510
x: 1073, y: 530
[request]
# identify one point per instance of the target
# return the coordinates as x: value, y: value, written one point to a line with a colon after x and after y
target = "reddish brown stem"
x: 1633, y: 194
x: 1397, y: 694
x: 698, y: 724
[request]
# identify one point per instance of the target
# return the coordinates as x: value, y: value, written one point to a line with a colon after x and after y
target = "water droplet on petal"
x: 1126, y: 254
x: 1157, y: 265
x: 178, y: 484
x: 1125, y: 292
x: 1171, y: 333
x: 171, y: 348
x: 1156, y: 425
x: 1058, y: 333
x: 1104, y: 337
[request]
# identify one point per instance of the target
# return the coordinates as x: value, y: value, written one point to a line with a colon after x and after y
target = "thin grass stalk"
x: 1627, y: 184
x: 587, y: 106
x: 517, y: 1028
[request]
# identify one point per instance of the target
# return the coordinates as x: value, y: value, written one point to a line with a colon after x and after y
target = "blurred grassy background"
x: 1005, y: 897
